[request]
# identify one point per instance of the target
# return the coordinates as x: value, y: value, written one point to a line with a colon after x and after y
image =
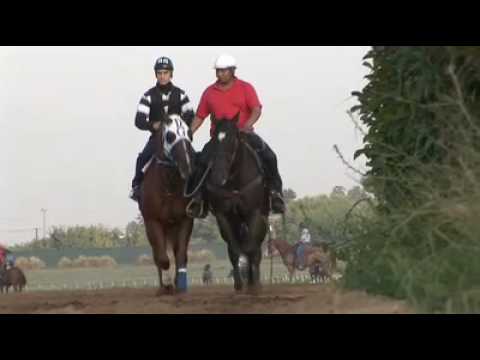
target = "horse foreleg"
x: 157, y: 239
x: 237, y: 278
x: 228, y: 233
x: 234, y: 250
x: 291, y: 271
x: 182, y: 234
x: 257, y: 229
x: 254, y: 272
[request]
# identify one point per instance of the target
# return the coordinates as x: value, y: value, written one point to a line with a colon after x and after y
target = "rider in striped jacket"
x: 162, y: 99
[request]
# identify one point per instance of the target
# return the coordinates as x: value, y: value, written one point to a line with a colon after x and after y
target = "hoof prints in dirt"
x: 69, y: 307
x: 289, y: 299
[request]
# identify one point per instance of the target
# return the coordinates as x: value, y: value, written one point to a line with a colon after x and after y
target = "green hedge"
x: 422, y: 115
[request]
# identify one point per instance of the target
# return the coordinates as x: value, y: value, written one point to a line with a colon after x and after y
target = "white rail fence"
x: 150, y: 283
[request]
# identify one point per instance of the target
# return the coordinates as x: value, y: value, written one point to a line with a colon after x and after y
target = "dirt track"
x: 276, y: 299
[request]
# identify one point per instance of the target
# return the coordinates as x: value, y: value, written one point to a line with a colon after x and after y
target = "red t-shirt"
x: 227, y: 103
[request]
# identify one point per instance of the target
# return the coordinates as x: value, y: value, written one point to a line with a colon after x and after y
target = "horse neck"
x: 165, y: 176
x: 244, y: 165
x: 169, y: 178
x: 282, y: 246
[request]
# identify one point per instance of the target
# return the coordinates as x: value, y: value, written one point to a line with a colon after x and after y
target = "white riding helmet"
x: 225, y: 61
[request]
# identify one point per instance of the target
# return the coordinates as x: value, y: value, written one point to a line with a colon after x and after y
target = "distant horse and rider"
x: 320, y: 262
x: 10, y: 275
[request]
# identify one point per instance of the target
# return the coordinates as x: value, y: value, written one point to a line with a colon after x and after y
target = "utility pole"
x: 44, y: 214
x: 36, y: 234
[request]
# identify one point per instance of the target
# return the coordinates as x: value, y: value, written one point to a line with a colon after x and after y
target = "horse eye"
x: 170, y: 137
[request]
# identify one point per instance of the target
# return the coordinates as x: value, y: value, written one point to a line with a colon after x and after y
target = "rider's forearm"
x: 142, y: 123
x: 256, y: 112
x: 197, y: 122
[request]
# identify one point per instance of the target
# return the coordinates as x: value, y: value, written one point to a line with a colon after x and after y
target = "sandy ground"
x: 273, y: 299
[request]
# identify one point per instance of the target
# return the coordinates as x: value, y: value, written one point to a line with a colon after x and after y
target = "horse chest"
x: 173, y: 210
x: 166, y: 208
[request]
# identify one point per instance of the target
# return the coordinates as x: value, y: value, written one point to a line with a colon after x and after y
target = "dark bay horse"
x: 162, y: 203
x: 313, y: 257
x: 239, y: 200
x: 14, y: 277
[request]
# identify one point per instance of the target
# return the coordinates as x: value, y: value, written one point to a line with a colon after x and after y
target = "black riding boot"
x: 274, y: 181
x: 142, y: 160
x: 137, y: 180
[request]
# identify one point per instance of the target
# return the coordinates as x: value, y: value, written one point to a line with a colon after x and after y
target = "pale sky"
x: 68, y: 141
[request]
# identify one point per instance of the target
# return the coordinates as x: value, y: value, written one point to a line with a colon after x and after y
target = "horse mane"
x: 158, y: 136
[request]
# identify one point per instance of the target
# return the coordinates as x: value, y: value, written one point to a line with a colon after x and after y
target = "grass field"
x: 134, y: 276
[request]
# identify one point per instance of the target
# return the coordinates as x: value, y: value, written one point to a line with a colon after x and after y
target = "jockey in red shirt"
x: 225, y: 99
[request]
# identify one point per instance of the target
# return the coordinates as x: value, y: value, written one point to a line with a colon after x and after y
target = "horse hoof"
x: 254, y: 290
x: 180, y: 291
x: 166, y: 290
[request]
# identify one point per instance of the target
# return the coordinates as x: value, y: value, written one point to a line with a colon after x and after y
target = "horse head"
x: 280, y: 244
x: 174, y: 142
x: 226, y: 141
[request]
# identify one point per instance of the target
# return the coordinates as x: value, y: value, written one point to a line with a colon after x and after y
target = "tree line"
x: 323, y: 214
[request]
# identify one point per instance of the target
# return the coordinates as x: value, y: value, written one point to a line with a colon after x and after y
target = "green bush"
x: 422, y: 241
